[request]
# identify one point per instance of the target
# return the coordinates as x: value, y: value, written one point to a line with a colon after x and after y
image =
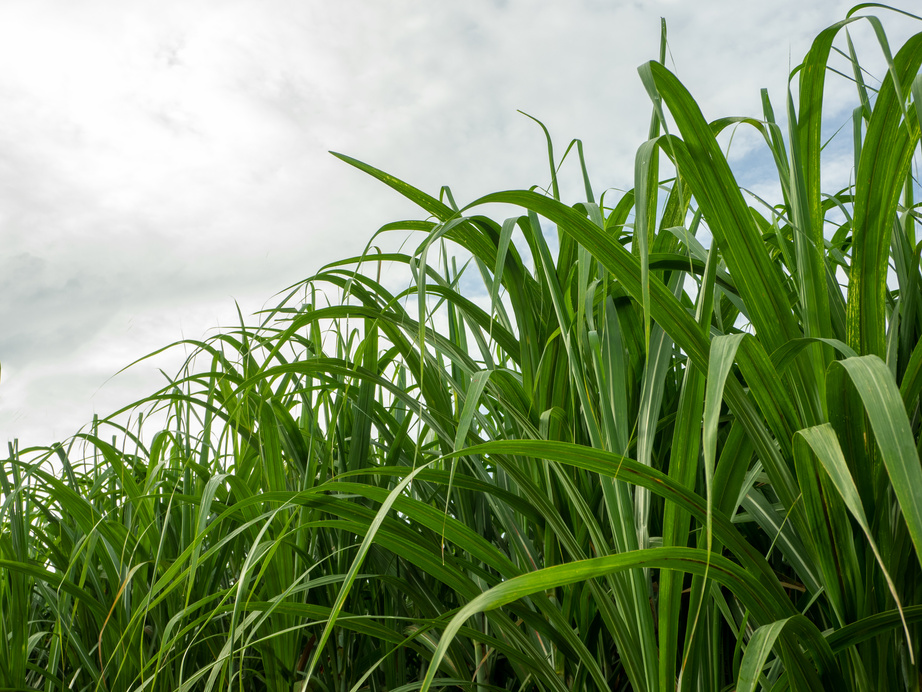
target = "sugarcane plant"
x: 669, y: 440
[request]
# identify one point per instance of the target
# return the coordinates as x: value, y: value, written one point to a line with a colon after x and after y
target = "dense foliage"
x: 678, y: 446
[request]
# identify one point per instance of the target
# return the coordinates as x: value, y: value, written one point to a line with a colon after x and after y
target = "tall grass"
x: 682, y: 451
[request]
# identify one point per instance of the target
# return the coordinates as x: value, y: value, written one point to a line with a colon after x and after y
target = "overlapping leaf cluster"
x: 679, y: 449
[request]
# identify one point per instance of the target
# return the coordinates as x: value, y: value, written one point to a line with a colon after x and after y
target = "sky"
x: 162, y: 163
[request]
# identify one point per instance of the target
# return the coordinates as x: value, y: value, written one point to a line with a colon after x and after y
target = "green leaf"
x: 893, y: 435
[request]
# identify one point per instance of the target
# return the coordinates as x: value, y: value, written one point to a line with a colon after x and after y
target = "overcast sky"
x: 161, y: 160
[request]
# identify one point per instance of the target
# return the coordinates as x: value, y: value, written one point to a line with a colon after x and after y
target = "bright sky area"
x: 161, y: 160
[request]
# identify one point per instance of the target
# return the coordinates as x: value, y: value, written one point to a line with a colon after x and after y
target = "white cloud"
x: 160, y: 159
